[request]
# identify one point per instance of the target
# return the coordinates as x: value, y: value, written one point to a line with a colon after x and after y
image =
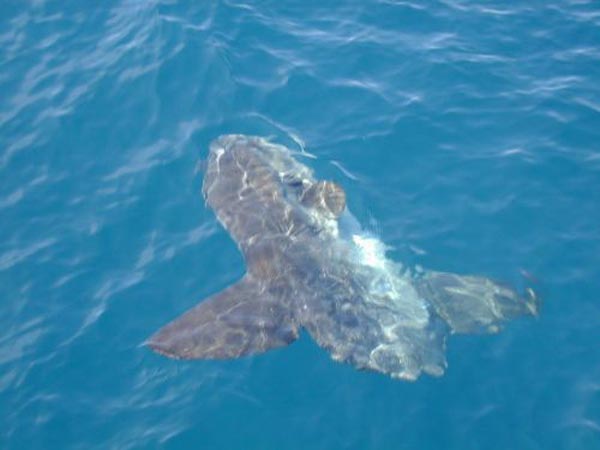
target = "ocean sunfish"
x: 310, y: 265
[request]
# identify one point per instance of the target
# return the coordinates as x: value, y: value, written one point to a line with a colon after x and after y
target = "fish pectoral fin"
x: 326, y: 197
x: 472, y: 304
x: 241, y: 320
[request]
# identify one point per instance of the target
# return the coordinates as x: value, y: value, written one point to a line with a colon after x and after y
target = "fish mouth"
x: 256, y: 144
x: 227, y: 140
x: 274, y: 153
x: 275, y: 156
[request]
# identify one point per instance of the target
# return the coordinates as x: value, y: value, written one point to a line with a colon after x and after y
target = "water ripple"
x: 465, y: 134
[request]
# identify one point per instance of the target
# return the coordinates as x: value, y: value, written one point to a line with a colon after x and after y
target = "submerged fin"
x: 472, y: 304
x: 240, y: 320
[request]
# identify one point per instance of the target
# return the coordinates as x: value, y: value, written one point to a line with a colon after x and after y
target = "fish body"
x: 311, y: 266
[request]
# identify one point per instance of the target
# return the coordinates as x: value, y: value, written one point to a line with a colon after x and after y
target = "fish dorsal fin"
x: 241, y: 320
x: 474, y: 304
x: 325, y: 196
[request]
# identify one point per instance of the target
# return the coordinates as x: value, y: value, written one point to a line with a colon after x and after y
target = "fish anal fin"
x: 241, y: 320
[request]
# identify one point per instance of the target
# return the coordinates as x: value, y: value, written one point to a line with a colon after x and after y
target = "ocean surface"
x: 465, y: 133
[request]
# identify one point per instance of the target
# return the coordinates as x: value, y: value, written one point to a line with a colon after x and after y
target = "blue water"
x: 466, y: 134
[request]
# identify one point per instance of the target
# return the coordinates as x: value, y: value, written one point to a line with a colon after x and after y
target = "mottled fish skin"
x: 309, y: 265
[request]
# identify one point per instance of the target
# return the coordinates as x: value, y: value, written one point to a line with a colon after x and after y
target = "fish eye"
x: 292, y: 181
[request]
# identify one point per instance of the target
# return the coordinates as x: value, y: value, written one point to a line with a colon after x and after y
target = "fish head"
x: 267, y: 184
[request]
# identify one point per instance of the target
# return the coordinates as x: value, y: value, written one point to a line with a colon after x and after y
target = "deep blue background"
x: 466, y: 134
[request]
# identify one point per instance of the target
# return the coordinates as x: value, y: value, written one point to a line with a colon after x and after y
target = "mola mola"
x: 311, y: 266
